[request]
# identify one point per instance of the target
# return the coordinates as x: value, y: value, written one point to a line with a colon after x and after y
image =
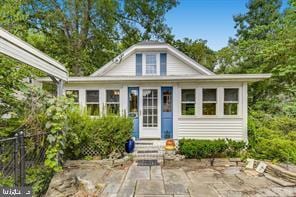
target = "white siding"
x: 199, y: 128
x: 177, y: 67
x: 128, y: 67
x: 125, y: 68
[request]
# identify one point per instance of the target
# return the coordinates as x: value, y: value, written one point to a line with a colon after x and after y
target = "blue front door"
x: 166, y: 112
x: 133, y: 108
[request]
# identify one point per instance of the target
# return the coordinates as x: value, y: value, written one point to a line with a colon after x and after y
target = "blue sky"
x: 210, y: 20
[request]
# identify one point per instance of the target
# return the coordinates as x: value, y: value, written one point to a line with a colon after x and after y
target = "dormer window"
x: 151, y: 64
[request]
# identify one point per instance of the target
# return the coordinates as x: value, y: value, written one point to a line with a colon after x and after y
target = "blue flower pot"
x: 129, y: 146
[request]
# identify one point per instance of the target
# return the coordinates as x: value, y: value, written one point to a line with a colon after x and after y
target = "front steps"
x: 149, y: 150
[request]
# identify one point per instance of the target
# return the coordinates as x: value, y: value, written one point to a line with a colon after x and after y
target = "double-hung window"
x: 188, y: 102
x: 73, y: 94
x: 112, y: 101
x: 209, y: 101
x: 93, y: 102
x: 231, y: 101
x: 151, y: 64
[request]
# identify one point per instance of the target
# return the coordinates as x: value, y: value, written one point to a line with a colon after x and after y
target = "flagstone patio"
x: 140, y: 181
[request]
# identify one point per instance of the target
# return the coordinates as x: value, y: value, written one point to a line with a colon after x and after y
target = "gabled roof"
x: 16, y: 48
x: 146, y: 45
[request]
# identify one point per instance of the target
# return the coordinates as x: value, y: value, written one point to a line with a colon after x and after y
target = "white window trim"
x: 106, y: 102
x: 157, y: 63
x: 99, y: 102
x: 216, y: 102
x: 219, y: 102
x: 239, y: 102
x: 191, y: 102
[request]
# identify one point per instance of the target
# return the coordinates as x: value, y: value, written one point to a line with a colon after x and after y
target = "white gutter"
x: 222, y: 77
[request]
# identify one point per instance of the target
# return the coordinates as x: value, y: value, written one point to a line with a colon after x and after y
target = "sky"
x: 210, y: 20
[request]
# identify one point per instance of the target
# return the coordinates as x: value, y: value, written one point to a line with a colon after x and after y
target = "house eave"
x: 187, y: 78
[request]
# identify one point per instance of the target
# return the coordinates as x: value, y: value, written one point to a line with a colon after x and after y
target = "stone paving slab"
x: 149, y: 187
x: 171, y: 188
x: 202, y: 190
x: 175, y: 176
x: 156, y: 173
x: 286, y: 191
x: 138, y: 172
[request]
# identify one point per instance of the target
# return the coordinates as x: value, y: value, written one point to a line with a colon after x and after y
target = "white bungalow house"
x: 168, y: 94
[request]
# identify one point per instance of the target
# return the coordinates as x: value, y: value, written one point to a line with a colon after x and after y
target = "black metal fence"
x: 19, y: 153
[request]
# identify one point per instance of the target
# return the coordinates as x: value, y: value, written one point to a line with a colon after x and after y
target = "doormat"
x: 144, y: 143
x: 147, y: 163
x: 147, y: 151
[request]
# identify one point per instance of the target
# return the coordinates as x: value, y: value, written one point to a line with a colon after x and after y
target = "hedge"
x: 192, y: 148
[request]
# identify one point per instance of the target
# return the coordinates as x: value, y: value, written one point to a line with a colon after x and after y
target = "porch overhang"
x: 16, y: 48
x: 187, y: 78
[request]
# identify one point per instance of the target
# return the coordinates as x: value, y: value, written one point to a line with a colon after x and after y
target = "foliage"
x: 197, y: 50
x: 39, y: 178
x: 260, y: 13
x: 107, y: 134
x: 6, y: 181
x: 83, y: 34
x: 266, y: 45
x: 56, y: 128
x: 198, y: 149
x: 272, y: 137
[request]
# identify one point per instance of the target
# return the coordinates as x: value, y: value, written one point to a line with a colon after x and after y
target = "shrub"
x: 272, y: 137
x: 198, y: 149
x: 39, y: 178
x: 107, y: 134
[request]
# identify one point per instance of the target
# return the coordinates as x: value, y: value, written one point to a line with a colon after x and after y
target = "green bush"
x: 107, y: 134
x: 198, y: 149
x: 39, y: 178
x: 272, y: 137
x: 6, y: 181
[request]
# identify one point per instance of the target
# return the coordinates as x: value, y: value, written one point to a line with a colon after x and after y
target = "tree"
x: 85, y: 34
x: 260, y: 13
x: 197, y: 50
x: 274, y: 53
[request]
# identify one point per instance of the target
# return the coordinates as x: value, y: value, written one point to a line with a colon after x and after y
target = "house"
x: 167, y: 94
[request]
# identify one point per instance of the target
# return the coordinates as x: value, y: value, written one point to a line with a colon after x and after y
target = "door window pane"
x: 150, y: 108
x: 133, y: 103
x: 167, y: 101
x: 188, y: 102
